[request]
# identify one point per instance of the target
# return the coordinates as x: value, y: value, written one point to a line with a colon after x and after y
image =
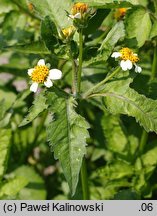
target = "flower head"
x: 80, y: 14
x: 67, y: 33
x: 128, y: 59
x: 78, y: 10
x: 42, y: 74
x: 120, y: 13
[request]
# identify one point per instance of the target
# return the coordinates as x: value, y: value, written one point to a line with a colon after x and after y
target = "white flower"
x: 42, y: 74
x: 128, y: 59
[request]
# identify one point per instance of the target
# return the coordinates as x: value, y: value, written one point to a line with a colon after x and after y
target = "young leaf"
x: 67, y: 134
x: 5, y: 135
x: 39, y: 105
x: 138, y: 25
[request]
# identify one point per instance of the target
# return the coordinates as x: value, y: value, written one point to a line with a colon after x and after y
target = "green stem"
x: 80, y: 60
x: 154, y: 65
x: 84, y: 181
x: 143, y: 141
x: 91, y: 91
x: 74, y: 73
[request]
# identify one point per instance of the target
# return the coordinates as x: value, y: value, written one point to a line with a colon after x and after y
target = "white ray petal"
x: 116, y: 54
x: 129, y: 64
x: 48, y: 83
x: 55, y: 74
x: 41, y: 62
x: 138, y: 69
x: 123, y: 65
x: 30, y: 71
x: 34, y: 87
x: 77, y: 16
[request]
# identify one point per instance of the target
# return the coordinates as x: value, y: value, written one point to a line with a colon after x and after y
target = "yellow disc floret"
x: 68, y: 32
x: 127, y: 54
x: 79, y: 8
x: 40, y: 74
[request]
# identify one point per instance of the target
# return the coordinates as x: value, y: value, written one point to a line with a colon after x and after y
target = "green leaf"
x: 67, y: 134
x: 35, y: 189
x: 110, y: 3
x: 138, y: 25
x: 113, y: 131
x: 13, y: 186
x: 116, y: 170
x: 2, y: 109
x: 114, y: 35
x: 56, y: 10
x: 8, y: 97
x: 49, y: 33
x: 133, y: 104
x: 34, y: 47
x: 96, y: 21
x: 126, y: 195
x: 39, y: 105
x: 153, y: 32
x: 149, y: 158
x: 6, y: 6
x: 5, y: 143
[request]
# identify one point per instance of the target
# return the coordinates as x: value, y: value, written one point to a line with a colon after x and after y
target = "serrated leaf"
x: 34, y: 47
x: 114, y: 35
x: 49, y: 33
x: 39, y: 105
x: 133, y: 104
x: 5, y: 135
x: 13, y: 186
x: 67, y: 135
x: 138, y: 25
x: 56, y: 10
x: 110, y: 3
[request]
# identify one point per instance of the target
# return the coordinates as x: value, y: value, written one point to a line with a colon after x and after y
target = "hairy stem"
x: 74, y: 73
x: 80, y: 60
x: 92, y: 90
